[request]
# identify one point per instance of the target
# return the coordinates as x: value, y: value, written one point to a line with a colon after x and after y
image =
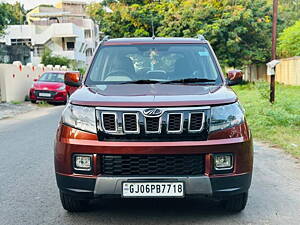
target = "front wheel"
x: 33, y: 101
x: 236, y: 203
x: 73, y: 204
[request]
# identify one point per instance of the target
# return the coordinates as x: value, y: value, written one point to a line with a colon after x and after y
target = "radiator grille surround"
x: 109, y: 122
x: 172, y: 124
x: 196, y: 121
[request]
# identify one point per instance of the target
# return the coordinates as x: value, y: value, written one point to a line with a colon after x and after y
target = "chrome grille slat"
x: 153, y: 125
x: 175, y: 123
x: 109, y: 122
x: 196, y: 121
x: 131, y: 123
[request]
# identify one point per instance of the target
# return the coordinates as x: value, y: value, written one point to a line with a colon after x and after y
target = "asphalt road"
x: 28, y: 192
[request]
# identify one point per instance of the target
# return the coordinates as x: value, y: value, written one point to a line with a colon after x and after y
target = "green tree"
x: 3, y: 19
x: 11, y: 14
x: 289, y: 41
x: 239, y: 30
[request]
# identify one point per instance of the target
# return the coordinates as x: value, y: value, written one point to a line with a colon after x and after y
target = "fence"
x: 16, y: 79
x: 287, y: 72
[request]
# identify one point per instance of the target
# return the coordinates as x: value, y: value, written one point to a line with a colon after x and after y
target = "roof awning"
x: 64, y: 35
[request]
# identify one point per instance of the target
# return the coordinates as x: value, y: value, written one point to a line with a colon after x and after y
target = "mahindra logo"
x: 152, y: 112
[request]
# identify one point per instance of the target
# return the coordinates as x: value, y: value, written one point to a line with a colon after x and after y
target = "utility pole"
x: 274, y: 38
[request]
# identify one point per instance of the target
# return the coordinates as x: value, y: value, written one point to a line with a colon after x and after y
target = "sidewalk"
x: 10, y: 110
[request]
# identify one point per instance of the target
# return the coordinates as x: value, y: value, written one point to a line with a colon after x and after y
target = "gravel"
x: 8, y: 110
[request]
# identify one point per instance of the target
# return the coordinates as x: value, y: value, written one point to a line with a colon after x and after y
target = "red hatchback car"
x: 50, y: 87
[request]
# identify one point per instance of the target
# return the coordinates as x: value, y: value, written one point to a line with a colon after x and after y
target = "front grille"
x: 109, y: 122
x: 151, y: 165
x: 196, y: 121
x: 174, y: 122
x: 153, y: 124
x: 130, y: 122
x: 170, y: 124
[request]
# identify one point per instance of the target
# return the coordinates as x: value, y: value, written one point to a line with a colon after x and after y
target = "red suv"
x: 154, y: 117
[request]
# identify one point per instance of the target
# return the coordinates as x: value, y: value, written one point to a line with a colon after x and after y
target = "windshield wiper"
x: 189, y: 80
x: 141, y: 82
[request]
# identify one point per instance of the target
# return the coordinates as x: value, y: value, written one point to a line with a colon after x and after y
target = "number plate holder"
x: 44, y: 94
x: 156, y: 189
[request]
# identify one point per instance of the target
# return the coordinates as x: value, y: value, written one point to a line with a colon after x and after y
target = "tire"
x: 33, y: 101
x: 236, y: 203
x: 73, y: 204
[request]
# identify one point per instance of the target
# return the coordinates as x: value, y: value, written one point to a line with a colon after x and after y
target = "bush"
x: 289, y: 41
x: 48, y: 59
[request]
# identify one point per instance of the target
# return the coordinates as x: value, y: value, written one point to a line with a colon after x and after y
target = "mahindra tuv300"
x: 153, y: 117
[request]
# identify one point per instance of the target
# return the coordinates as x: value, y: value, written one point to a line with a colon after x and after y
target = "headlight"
x: 80, y: 117
x: 61, y: 88
x: 226, y: 116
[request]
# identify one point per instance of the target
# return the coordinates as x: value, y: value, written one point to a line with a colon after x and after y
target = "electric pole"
x: 274, y: 38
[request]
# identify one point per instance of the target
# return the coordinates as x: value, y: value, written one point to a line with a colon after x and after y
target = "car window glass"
x: 52, y: 77
x: 146, y: 62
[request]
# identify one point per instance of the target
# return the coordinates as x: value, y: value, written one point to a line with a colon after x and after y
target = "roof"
x: 149, y: 40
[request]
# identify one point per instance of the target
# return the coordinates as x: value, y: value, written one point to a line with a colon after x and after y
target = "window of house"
x: 89, y: 52
x: 70, y: 46
x: 38, y: 51
x: 87, y: 33
x: 20, y: 41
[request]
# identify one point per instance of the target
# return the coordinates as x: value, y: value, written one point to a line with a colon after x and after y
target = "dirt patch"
x: 8, y: 110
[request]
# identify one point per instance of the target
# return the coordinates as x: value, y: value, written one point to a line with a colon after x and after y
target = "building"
x: 64, y: 28
x: 9, y: 54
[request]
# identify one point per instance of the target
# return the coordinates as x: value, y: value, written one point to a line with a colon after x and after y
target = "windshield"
x: 149, y: 62
x: 52, y: 77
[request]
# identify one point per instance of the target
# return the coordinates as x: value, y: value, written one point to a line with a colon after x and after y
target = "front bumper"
x: 218, y: 187
x: 71, y: 141
x: 56, y: 96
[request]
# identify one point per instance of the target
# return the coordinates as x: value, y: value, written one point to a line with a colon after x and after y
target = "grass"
x: 16, y: 102
x: 43, y: 104
x: 278, y: 123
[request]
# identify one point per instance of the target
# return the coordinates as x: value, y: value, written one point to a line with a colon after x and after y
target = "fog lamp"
x: 223, y: 161
x: 83, y: 162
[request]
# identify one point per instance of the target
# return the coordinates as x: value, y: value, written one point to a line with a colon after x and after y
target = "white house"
x: 64, y: 28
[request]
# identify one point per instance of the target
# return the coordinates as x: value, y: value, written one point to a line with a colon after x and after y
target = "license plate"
x: 153, y: 189
x: 44, y: 94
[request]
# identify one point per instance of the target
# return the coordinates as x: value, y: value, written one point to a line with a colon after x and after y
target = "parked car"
x: 154, y: 117
x: 50, y: 87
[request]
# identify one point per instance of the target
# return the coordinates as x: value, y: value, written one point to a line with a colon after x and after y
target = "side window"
x: 206, y: 66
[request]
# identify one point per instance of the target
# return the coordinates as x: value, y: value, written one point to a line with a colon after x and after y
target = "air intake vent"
x: 137, y: 165
x: 196, y: 122
x: 175, y: 122
x: 152, y: 124
x: 109, y: 121
x: 130, y: 123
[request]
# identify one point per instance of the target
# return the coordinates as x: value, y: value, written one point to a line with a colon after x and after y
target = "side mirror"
x: 72, y: 79
x: 35, y: 79
x: 234, y: 77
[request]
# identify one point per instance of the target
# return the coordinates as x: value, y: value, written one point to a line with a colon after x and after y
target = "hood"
x: 47, y: 85
x: 147, y: 95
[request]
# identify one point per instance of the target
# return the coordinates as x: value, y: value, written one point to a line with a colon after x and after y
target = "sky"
x: 29, y: 4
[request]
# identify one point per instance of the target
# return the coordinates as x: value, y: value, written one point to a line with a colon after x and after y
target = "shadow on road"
x: 154, y: 211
